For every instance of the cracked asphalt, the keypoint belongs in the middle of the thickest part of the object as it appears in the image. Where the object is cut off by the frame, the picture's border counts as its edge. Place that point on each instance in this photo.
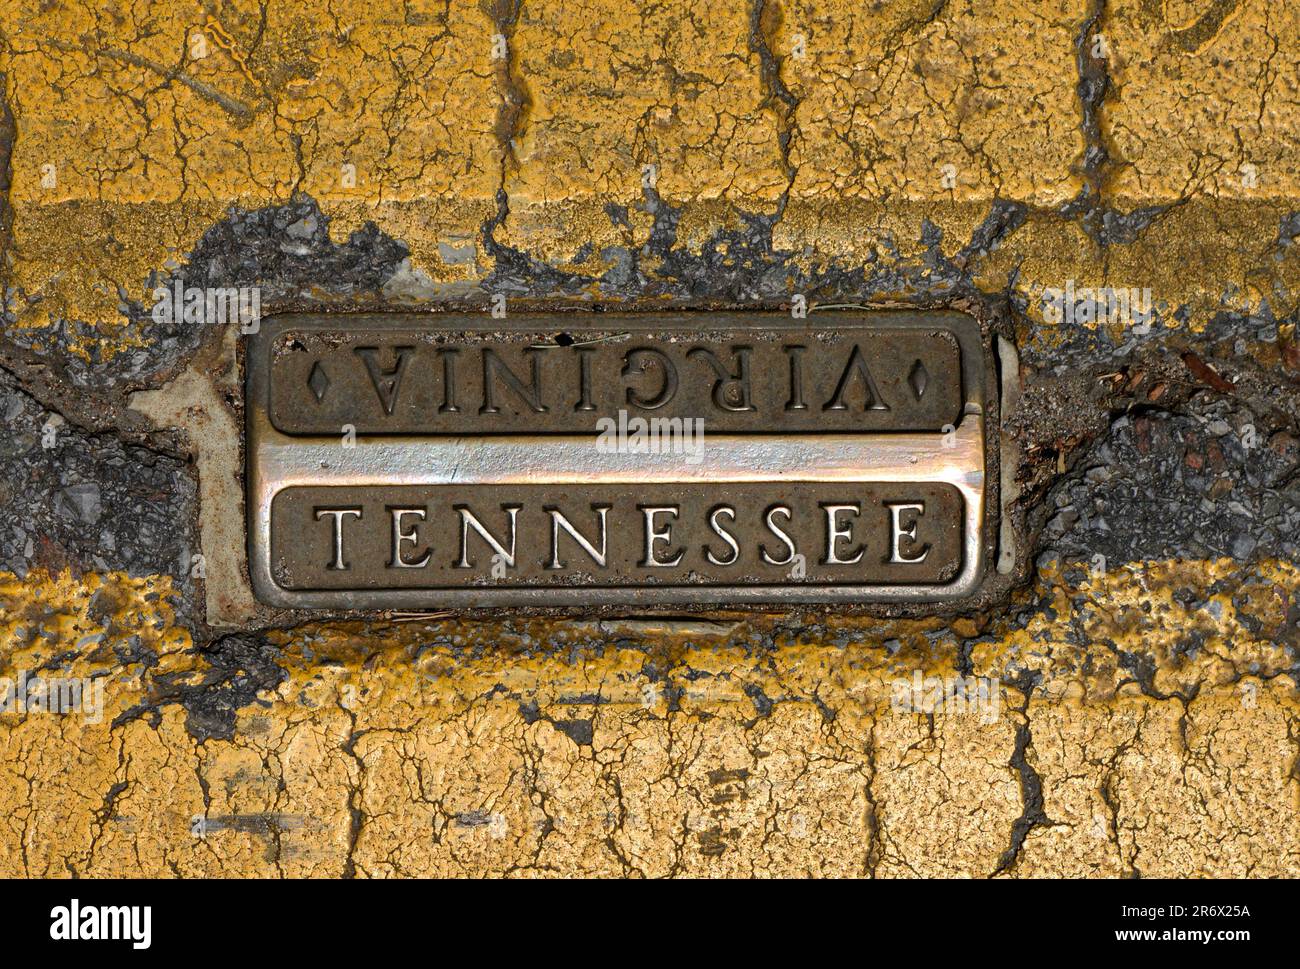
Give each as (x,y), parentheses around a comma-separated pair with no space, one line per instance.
(584,156)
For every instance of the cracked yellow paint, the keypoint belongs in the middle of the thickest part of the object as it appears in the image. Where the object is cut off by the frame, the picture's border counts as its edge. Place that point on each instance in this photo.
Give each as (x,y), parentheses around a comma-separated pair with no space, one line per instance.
(1207,101)
(449,748)
(1232,246)
(891,95)
(442,748)
(129,144)
(623,99)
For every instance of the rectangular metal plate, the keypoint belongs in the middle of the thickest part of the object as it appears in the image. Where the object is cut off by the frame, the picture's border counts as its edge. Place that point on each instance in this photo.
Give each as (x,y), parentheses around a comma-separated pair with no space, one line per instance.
(761,379)
(461,461)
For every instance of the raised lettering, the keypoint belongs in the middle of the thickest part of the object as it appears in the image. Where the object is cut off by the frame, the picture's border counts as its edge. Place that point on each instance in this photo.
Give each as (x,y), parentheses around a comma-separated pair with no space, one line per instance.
(857,366)
(558,521)
(653,536)
(835,534)
(783,510)
(386,382)
(644,357)
(730,391)
(468,520)
(898,533)
(530,393)
(722,534)
(336,563)
(400,537)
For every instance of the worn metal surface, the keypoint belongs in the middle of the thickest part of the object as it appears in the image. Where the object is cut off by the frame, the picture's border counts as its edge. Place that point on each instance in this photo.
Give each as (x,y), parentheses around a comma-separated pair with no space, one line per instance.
(967,156)
(776,539)
(328,512)
(757,373)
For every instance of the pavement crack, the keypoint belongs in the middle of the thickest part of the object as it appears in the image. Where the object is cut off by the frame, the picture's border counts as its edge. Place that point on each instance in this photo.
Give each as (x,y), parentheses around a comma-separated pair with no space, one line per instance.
(8,135)
(231,105)
(356,816)
(516,101)
(764,23)
(1033,815)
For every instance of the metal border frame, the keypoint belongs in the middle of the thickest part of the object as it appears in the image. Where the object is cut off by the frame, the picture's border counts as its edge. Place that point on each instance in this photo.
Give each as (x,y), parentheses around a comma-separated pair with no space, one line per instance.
(275,461)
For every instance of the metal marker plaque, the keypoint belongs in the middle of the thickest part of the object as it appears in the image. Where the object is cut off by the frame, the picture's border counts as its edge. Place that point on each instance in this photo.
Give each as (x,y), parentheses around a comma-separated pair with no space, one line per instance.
(421,462)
